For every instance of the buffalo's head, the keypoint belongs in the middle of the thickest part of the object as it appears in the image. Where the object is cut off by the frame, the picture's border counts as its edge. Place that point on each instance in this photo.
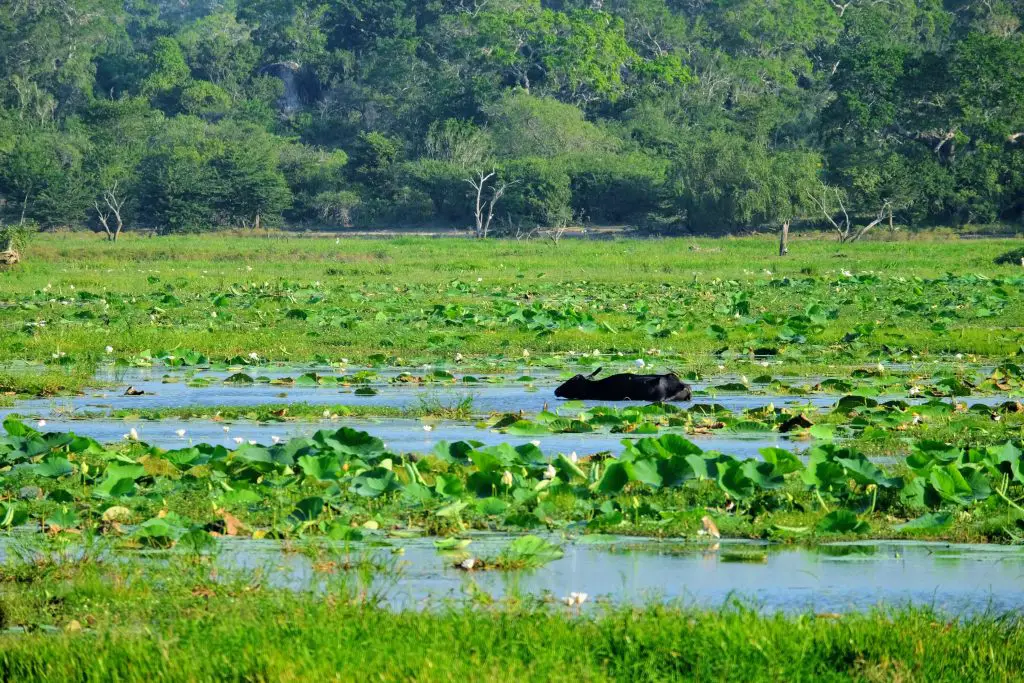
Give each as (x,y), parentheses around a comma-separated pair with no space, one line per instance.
(576,387)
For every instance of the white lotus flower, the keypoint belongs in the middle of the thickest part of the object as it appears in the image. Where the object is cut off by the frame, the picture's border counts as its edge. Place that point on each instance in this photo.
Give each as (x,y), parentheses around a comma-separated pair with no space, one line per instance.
(109,349)
(573,457)
(536,443)
(133,434)
(506,478)
(639,362)
(252,442)
(428,428)
(180,433)
(41,423)
(275,440)
(549,472)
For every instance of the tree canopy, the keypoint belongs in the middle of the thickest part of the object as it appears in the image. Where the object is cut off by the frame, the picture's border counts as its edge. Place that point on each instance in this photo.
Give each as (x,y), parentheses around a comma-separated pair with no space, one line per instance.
(682,115)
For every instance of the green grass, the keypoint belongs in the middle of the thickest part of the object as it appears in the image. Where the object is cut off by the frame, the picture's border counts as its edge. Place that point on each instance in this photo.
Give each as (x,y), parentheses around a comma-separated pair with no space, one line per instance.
(93,621)
(364,297)
(45,382)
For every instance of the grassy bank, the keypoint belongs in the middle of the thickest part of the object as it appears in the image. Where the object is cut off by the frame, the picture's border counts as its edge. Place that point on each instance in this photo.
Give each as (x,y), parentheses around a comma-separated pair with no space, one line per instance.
(89,621)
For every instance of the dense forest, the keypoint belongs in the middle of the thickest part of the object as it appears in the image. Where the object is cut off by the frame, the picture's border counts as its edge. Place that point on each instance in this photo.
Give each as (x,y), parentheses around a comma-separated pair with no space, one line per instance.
(672,115)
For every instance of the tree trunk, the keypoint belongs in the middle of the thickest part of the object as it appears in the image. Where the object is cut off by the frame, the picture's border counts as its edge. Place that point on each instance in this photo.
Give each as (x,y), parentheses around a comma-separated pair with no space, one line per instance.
(784,239)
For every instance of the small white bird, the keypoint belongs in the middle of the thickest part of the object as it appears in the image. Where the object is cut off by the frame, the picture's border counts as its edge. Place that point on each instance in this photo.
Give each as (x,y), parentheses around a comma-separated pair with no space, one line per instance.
(180,433)
(133,434)
(275,440)
(428,428)
(41,423)
(639,362)
(109,349)
(238,440)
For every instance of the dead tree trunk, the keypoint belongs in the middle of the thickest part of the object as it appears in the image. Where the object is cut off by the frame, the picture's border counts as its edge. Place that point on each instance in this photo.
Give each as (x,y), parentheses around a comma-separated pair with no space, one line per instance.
(784,239)
(844,225)
(484,211)
(114,204)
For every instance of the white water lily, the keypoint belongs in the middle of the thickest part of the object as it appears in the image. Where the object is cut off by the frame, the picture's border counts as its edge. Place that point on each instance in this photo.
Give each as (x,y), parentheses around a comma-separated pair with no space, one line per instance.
(428,428)
(109,349)
(549,472)
(574,599)
(639,362)
(180,433)
(506,478)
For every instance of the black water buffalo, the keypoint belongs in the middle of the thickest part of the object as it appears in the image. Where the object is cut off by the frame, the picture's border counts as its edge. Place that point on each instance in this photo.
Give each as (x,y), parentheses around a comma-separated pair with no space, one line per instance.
(625,387)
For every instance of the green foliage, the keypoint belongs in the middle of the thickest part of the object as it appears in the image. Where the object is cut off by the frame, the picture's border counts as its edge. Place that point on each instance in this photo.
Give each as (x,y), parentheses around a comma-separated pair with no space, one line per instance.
(699,117)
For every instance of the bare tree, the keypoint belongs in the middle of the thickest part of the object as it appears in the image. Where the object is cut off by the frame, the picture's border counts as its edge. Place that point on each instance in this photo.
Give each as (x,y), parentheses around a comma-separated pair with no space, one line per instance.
(113,203)
(484,212)
(843,224)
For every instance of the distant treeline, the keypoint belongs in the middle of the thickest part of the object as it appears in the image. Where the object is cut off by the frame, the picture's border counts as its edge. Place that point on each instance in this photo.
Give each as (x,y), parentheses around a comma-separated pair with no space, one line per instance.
(676,115)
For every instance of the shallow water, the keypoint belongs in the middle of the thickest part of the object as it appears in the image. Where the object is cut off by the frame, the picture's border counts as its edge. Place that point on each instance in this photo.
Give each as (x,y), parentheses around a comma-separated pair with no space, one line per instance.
(400,435)
(958,579)
(508,396)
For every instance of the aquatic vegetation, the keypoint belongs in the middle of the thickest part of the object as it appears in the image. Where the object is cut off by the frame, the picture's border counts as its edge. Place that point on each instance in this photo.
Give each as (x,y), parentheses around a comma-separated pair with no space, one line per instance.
(341,479)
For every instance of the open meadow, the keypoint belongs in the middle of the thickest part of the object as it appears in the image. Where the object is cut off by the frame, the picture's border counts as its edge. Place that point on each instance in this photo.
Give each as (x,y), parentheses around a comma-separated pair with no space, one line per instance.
(357,441)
